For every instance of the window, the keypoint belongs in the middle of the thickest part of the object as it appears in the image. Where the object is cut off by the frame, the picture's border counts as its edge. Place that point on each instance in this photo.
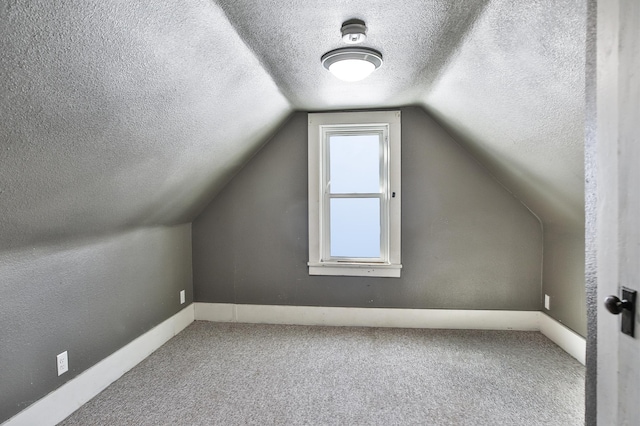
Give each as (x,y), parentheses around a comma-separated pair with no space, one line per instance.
(354,194)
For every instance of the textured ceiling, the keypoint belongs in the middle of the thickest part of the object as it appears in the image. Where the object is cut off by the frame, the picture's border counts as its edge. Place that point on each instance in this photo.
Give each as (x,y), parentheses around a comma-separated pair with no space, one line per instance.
(506,78)
(514,95)
(416,39)
(119,114)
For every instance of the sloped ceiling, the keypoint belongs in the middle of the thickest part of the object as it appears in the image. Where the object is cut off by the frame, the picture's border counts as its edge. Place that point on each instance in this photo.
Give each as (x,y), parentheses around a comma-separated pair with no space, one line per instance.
(119,114)
(514,95)
(505,78)
(416,39)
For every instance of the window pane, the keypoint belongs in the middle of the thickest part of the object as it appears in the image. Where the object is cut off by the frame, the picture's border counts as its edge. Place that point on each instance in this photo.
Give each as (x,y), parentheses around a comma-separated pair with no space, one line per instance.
(355,227)
(354,163)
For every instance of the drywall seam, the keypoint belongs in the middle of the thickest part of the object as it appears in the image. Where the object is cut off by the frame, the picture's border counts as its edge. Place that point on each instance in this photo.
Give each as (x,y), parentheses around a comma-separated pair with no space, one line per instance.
(59,404)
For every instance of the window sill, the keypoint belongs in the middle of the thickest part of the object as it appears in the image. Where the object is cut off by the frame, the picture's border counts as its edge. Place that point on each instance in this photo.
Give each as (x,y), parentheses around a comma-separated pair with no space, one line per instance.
(355,269)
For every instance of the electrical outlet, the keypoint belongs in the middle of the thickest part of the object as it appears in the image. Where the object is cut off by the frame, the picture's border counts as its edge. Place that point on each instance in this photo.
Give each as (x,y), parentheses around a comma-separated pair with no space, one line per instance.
(547,302)
(183,297)
(63,363)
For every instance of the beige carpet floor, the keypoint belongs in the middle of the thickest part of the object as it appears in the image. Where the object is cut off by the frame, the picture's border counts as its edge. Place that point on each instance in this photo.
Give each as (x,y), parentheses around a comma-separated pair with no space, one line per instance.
(246,374)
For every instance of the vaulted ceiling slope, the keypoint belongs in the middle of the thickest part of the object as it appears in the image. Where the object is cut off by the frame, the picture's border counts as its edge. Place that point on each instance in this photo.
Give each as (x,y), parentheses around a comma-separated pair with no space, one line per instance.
(119,114)
(415,37)
(506,78)
(514,95)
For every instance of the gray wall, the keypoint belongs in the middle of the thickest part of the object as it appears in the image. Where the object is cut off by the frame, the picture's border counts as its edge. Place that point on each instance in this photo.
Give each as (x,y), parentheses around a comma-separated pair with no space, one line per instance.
(467,243)
(89,298)
(564,272)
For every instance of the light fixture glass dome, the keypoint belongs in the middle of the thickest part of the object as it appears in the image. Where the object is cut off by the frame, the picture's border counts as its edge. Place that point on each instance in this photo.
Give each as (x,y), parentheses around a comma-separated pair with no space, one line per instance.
(352,69)
(352,63)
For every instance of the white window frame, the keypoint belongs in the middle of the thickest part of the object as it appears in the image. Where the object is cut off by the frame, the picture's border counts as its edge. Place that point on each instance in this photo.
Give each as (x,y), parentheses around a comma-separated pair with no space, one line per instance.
(321,126)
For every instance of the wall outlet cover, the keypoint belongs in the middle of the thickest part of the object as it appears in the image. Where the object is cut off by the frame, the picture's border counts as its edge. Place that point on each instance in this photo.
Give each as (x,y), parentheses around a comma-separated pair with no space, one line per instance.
(183,297)
(547,302)
(62,362)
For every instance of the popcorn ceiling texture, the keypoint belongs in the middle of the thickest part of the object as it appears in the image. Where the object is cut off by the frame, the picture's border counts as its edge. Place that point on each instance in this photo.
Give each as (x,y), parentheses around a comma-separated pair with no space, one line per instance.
(122,114)
(506,78)
(514,95)
(416,39)
(118,114)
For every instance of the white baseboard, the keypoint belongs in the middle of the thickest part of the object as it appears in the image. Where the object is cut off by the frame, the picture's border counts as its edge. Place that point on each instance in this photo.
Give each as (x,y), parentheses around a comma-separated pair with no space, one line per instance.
(60,403)
(216,312)
(568,340)
(368,317)
(574,344)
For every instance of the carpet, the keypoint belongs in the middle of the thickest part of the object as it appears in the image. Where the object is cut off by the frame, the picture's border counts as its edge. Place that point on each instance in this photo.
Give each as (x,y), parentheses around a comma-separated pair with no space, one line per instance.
(249,374)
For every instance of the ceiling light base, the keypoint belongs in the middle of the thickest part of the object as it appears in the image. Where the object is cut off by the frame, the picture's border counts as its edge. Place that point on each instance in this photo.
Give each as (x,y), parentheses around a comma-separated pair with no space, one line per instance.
(354,31)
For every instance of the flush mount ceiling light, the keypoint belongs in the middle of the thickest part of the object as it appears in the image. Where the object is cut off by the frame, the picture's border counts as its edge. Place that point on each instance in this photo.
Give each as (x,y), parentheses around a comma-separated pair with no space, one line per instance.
(352,63)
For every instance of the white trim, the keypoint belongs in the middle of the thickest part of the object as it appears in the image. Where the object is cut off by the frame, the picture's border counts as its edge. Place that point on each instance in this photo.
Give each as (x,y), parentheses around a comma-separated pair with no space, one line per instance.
(571,342)
(368,317)
(383,195)
(217,312)
(355,270)
(391,201)
(62,402)
(574,344)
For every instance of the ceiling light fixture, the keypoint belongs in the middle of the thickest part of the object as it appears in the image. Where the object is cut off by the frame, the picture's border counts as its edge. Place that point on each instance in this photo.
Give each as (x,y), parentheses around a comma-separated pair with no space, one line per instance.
(352,63)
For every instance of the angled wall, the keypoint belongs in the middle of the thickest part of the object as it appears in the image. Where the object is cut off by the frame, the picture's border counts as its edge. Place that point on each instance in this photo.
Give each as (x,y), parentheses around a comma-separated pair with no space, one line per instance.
(89,298)
(564,276)
(467,243)
(513,95)
(118,115)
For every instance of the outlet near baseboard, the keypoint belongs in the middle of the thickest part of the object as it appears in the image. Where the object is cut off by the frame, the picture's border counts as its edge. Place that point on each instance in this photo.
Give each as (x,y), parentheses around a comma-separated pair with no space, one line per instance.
(183,297)
(547,302)
(62,360)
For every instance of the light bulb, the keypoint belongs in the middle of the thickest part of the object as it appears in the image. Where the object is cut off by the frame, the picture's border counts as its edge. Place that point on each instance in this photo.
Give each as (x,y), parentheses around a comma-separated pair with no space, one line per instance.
(352,69)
